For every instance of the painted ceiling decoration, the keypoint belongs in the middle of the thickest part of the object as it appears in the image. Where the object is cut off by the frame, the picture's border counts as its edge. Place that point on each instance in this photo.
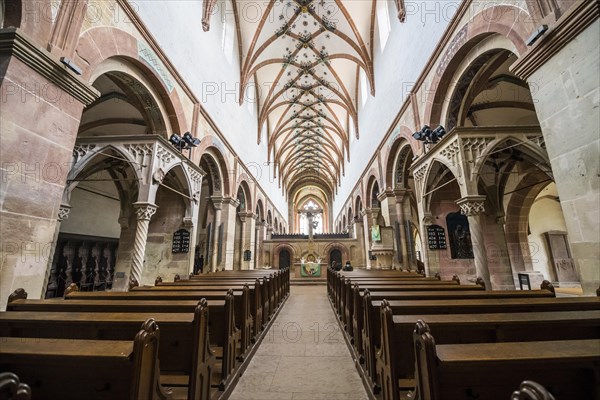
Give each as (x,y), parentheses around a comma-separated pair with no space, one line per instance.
(304,60)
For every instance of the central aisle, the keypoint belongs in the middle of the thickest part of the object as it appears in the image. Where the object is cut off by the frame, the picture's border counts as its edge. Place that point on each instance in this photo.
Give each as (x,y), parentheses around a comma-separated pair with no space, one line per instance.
(303,356)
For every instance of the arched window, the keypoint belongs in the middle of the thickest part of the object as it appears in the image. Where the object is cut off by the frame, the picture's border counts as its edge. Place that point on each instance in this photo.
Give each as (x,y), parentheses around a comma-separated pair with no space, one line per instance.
(383,21)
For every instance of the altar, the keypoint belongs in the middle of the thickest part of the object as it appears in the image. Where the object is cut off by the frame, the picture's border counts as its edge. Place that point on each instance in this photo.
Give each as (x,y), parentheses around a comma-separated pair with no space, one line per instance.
(310,269)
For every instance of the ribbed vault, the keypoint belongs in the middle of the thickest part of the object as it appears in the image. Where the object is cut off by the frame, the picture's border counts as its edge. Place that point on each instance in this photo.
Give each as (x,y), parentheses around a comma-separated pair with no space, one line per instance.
(303,59)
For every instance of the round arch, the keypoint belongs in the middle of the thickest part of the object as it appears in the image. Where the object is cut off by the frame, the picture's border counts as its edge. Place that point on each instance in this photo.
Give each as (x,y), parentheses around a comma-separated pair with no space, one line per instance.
(91,56)
(497,20)
(402,146)
(213,161)
(279,249)
(373,190)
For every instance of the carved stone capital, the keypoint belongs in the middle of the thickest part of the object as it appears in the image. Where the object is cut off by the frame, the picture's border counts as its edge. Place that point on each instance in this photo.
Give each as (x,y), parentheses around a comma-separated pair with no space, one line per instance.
(63,212)
(124,222)
(471,205)
(188,222)
(427,219)
(386,194)
(231,201)
(245,215)
(401,193)
(217,202)
(145,211)
(158,176)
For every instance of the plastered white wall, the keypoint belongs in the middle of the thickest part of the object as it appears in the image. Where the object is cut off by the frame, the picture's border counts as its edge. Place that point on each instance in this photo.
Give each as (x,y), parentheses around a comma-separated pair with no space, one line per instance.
(408,48)
(200,59)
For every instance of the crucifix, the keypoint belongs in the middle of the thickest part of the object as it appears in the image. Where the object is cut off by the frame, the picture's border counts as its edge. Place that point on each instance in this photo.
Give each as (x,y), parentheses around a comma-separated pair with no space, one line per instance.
(310,214)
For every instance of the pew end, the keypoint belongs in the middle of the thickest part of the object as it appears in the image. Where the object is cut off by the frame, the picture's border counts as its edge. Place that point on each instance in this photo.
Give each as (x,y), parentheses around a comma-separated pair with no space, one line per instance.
(20,293)
(547,285)
(11,387)
(72,288)
(132,283)
(529,390)
(479,281)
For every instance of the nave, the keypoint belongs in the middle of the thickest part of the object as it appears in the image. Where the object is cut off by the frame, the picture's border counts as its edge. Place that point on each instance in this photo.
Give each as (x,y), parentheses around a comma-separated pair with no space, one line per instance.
(385,335)
(303,356)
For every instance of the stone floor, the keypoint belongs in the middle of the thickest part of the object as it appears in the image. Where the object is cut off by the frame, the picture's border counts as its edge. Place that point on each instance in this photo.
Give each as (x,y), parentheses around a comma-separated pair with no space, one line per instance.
(303,356)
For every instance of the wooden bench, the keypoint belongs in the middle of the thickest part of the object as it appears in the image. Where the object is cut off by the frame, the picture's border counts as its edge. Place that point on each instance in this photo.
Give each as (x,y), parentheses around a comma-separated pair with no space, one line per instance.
(271,293)
(94,369)
(569,369)
(184,352)
(248,309)
(242,315)
(279,281)
(344,294)
(347,306)
(395,359)
(11,387)
(358,310)
(224,336)
(370,340)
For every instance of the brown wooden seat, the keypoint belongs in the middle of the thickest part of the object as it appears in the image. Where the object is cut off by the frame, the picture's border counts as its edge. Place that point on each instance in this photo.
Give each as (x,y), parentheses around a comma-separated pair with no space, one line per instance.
(95,369)
(569,369)
(184,347)
(370,340)
(395,359)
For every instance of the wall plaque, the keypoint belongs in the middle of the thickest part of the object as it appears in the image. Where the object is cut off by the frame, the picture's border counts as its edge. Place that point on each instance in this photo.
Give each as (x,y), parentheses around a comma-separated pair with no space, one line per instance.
(181,241)
(436,237)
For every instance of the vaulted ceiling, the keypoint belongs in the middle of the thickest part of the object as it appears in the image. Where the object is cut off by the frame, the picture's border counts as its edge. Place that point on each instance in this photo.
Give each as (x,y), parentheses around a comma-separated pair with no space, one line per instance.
(303,57)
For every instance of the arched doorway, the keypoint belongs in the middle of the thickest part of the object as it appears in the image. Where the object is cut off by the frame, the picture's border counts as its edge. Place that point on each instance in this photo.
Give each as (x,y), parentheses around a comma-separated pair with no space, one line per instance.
(284,259)
(335,255)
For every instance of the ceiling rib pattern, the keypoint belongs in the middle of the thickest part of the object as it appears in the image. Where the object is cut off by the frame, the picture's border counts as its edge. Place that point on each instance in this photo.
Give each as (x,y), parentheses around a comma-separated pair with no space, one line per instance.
(303,57)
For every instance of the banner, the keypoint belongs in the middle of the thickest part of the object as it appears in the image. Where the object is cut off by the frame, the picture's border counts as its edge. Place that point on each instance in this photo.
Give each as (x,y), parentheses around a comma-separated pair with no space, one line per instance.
(375,233)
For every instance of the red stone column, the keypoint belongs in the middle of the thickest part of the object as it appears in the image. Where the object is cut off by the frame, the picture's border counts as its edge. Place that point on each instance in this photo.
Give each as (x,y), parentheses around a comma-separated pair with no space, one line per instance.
(41,103)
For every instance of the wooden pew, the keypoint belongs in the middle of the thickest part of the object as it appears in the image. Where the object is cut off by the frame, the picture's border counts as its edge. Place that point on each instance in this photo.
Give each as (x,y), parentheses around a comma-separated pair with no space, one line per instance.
(370,340)
(353,308)
(344,295)
(248,309)
(395,359)
(570,369)
(272,294)
(11,387)
(184,352)
(229,338)
(94,369)
(348,303)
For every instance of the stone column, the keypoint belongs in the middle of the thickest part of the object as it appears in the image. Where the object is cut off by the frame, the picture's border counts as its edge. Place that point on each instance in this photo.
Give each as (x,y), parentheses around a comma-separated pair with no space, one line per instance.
(425,222)
(144,212)
(564,72)
(218,205)
(251,232)
(260,235)
(473,207)
(228,216)
(366,215)
(52,273)
(243,215)
(400,195)
(42,103)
